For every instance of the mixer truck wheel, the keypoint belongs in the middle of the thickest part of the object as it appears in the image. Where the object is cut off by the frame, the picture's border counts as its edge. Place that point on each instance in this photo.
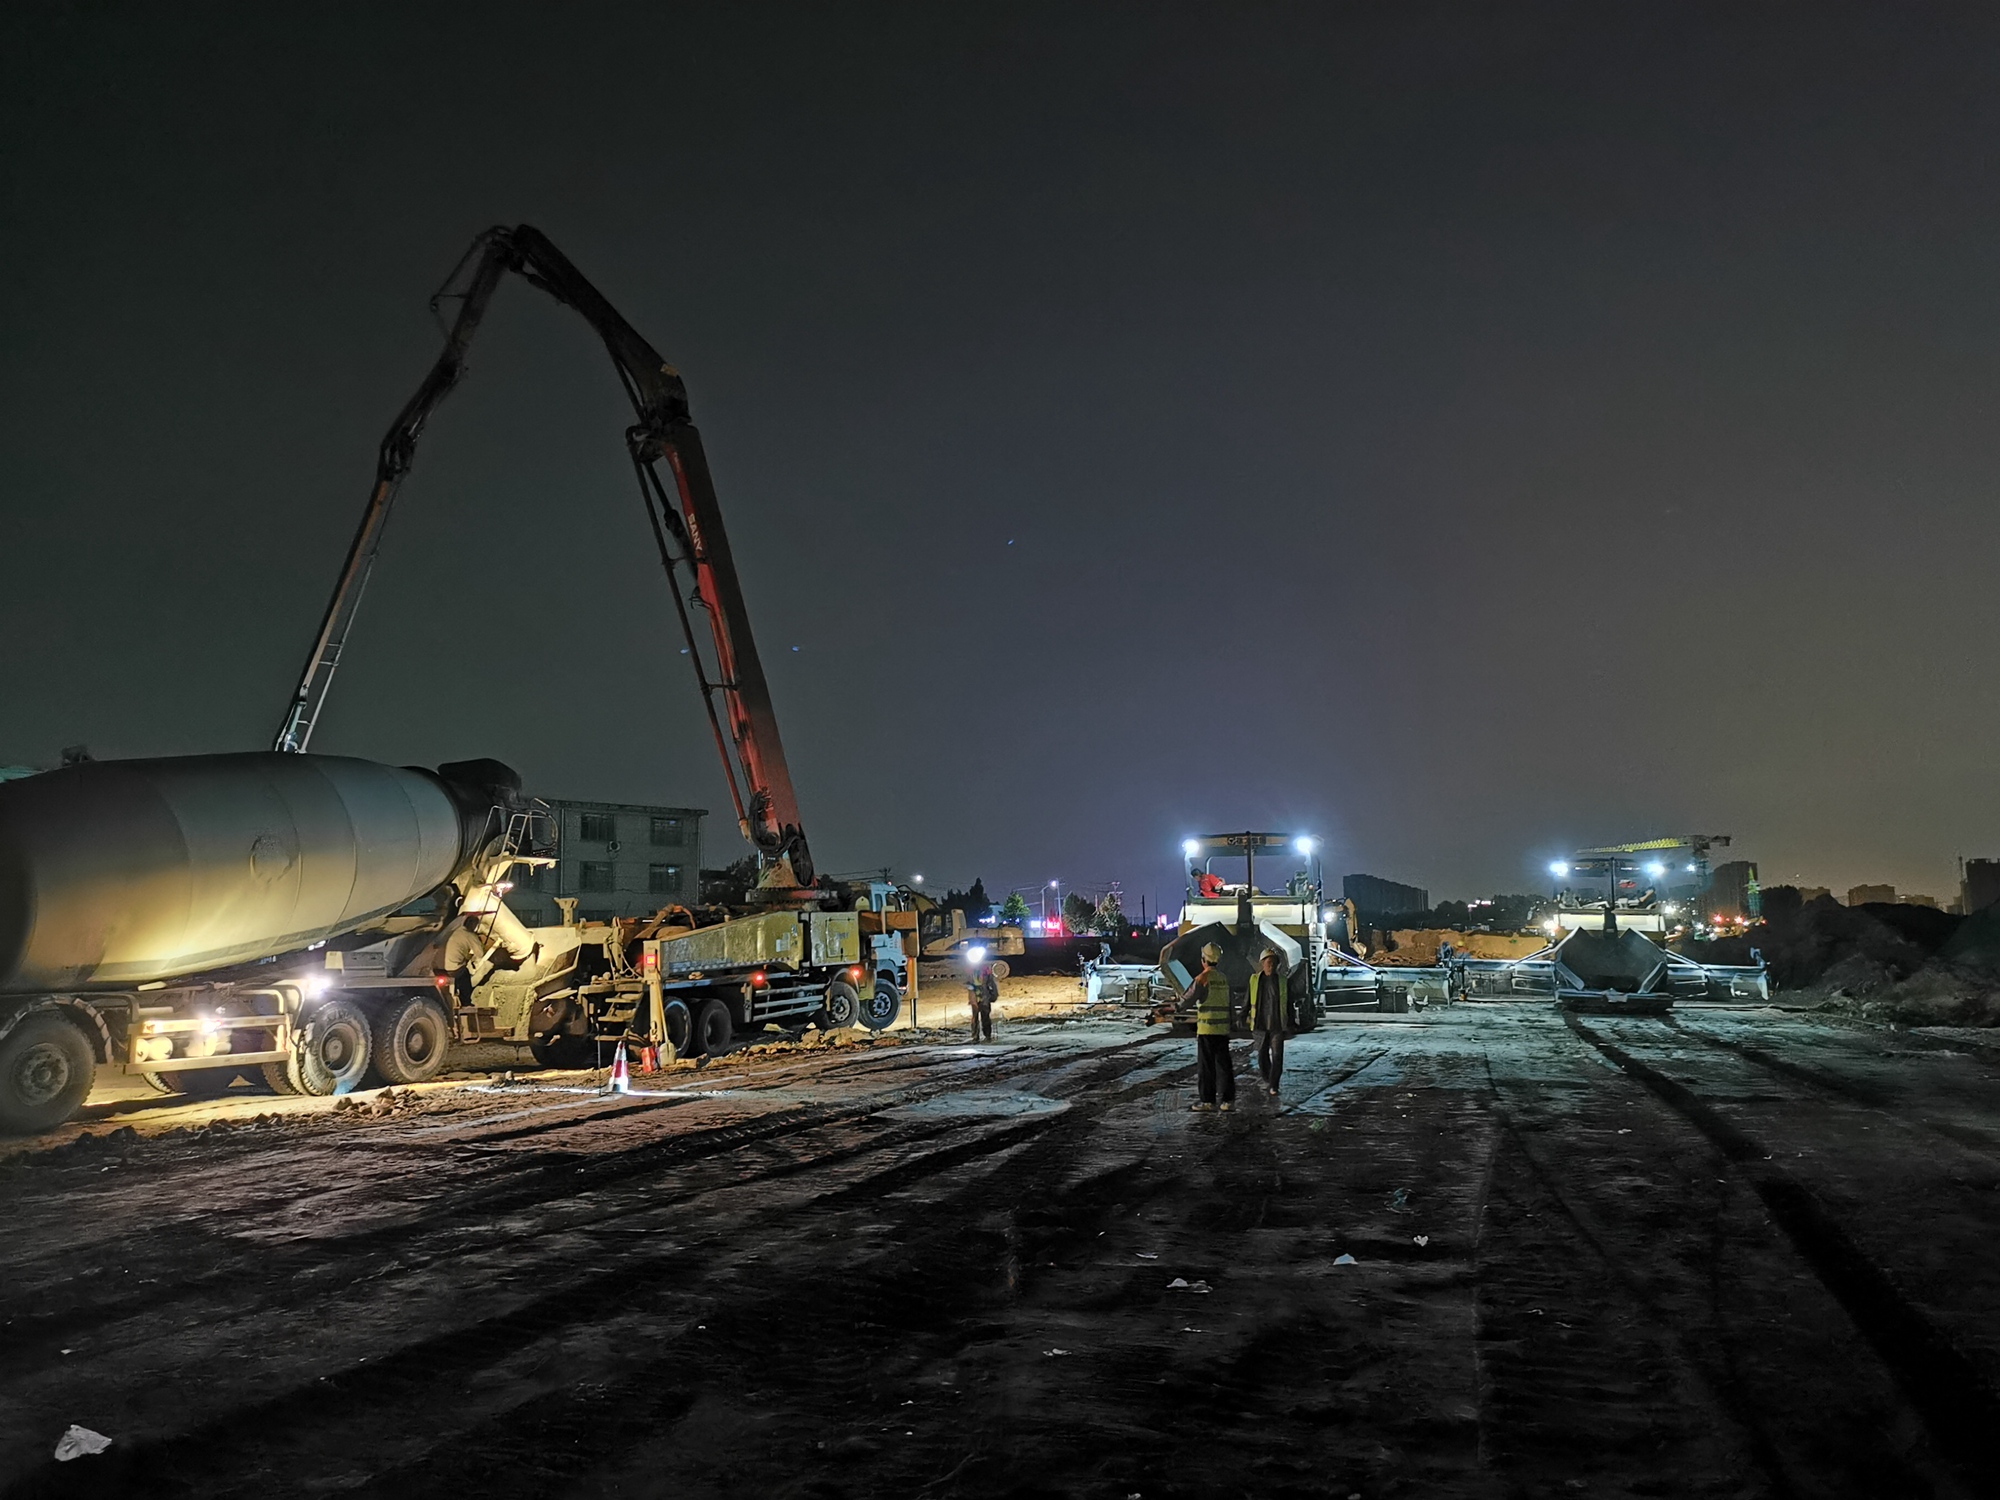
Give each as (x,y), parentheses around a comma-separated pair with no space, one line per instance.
(335,1058)
(885,1002)
(713,1029)
(680,1026)
(411,1038)
(46,1067)
(843,1005)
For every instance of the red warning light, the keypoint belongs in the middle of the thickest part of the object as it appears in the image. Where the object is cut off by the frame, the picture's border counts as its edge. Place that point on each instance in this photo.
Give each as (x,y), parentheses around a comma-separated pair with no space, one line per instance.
(854,973)
(758,977)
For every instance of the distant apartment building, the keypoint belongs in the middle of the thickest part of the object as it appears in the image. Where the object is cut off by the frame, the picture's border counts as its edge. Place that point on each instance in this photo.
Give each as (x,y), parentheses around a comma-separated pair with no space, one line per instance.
(1978,884)
(618,859)
(1371,893)
(1733,892)
(1861,895)
(1911,898)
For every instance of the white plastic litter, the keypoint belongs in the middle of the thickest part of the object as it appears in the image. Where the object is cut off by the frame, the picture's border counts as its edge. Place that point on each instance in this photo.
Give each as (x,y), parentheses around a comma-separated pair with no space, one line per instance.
(1181,1284)
(1421,1239)
(1147,1255)
(1052,1353)
(1345,1260)
(78,1442)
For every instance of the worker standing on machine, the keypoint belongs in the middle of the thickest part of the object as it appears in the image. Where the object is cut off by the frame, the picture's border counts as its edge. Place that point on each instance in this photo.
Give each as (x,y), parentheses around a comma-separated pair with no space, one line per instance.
(981,989)
(1268,1018)
(462,949)
(1214,1072)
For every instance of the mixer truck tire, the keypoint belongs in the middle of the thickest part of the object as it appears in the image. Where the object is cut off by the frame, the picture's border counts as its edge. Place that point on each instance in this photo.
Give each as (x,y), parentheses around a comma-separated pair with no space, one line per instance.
(680,1026)
(885,1003)
(843,1005)
(46,1068)
(713,1029)
(411,1037)
(334,1054)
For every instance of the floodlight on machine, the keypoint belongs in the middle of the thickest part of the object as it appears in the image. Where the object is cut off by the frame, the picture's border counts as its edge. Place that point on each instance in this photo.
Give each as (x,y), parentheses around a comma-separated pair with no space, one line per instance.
(1558,869)
(1656,869)
(1305,847)
(1190,848)
(976,953)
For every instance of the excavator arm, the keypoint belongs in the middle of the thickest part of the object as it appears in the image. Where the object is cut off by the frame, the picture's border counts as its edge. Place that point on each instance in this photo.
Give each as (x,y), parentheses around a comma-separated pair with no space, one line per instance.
(686,522)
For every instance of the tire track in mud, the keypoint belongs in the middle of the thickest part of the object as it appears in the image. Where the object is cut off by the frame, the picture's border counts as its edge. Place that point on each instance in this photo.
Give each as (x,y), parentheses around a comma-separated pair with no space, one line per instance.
(527,1183)
(200,1459)
(1949,1393)
(1555,1387)
(1854,1091)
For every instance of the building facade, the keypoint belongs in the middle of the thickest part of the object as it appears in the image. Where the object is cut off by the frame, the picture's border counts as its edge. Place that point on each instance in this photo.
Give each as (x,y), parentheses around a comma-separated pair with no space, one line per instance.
(1978,884)
(618,859)
(1379,897)
(1862,895)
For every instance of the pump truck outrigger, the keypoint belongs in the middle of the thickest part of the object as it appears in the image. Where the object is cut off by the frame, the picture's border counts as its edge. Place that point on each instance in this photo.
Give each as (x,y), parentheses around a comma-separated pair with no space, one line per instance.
(159,917)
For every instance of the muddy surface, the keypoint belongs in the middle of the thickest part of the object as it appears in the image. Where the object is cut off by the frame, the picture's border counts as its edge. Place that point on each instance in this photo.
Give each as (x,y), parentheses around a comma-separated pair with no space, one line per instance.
(1488,1252)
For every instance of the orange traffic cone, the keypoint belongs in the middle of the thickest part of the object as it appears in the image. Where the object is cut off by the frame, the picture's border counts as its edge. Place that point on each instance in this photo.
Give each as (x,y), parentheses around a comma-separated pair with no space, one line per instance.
(651,1055)
(621,1076)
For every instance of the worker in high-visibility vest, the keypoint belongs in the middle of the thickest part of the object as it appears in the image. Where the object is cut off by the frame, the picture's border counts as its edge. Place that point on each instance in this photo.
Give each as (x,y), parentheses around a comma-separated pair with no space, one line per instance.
(1214,1072)
(1269,1018)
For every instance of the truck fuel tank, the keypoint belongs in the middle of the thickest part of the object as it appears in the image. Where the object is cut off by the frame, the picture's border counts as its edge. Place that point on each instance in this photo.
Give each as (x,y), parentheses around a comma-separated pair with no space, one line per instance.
(118,873)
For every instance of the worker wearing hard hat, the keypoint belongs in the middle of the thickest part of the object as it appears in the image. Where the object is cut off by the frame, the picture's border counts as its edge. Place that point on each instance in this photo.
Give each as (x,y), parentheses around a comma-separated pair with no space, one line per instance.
(1214,1072)
(982,989)
(1268,1017)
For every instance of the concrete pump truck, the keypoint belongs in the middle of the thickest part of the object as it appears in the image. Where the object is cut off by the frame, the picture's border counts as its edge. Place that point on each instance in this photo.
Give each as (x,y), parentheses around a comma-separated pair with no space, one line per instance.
(287,917)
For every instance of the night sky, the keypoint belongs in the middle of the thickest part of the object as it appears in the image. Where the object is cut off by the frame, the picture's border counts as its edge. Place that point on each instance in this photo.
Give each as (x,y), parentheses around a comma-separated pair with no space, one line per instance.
(1459,434)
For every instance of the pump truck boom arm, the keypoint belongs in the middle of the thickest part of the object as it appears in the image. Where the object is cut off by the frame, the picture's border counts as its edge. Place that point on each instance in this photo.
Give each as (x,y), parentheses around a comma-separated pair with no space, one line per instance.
(685,519)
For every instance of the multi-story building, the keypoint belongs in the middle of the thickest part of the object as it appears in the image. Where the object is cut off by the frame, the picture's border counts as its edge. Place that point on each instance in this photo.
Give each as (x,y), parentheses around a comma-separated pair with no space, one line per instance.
(618,859)
(1978,884)
(1379,897)
(1861,895)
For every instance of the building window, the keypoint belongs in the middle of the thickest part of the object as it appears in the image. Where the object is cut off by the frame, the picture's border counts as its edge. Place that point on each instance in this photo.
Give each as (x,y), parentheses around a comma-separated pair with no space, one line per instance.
(668,833)
(597,828)
(526,877)
(593,875)
(663,880)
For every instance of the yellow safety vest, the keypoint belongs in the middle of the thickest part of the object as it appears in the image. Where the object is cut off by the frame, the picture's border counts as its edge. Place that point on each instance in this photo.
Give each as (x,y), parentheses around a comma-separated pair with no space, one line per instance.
(1211,1011)
(1274,1002)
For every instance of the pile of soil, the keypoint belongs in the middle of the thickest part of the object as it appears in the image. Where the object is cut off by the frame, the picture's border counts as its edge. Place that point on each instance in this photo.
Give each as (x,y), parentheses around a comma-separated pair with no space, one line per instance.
(1910,964)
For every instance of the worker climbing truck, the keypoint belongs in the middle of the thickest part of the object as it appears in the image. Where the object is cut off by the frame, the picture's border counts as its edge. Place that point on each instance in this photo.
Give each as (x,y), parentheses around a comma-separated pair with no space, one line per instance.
(282,915)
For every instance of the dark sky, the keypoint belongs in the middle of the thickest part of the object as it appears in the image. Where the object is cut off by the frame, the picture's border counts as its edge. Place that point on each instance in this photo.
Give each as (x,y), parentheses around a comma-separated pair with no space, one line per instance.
(1458,433)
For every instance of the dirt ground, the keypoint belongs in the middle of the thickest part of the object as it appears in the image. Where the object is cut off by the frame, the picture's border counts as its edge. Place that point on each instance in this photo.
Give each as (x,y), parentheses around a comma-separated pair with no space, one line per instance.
(1488,1251)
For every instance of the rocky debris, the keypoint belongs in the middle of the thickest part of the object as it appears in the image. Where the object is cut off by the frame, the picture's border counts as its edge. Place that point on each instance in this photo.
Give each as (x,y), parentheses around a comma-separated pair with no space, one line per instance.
(385,1103)
(1913,965)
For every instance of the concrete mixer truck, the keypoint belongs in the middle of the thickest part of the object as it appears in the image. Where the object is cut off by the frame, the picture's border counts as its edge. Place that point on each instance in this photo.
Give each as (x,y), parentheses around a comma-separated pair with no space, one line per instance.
(280,915)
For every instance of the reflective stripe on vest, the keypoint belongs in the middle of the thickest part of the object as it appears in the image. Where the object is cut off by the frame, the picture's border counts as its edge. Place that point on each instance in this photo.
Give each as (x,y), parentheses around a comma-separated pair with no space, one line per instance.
(1211,1015)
